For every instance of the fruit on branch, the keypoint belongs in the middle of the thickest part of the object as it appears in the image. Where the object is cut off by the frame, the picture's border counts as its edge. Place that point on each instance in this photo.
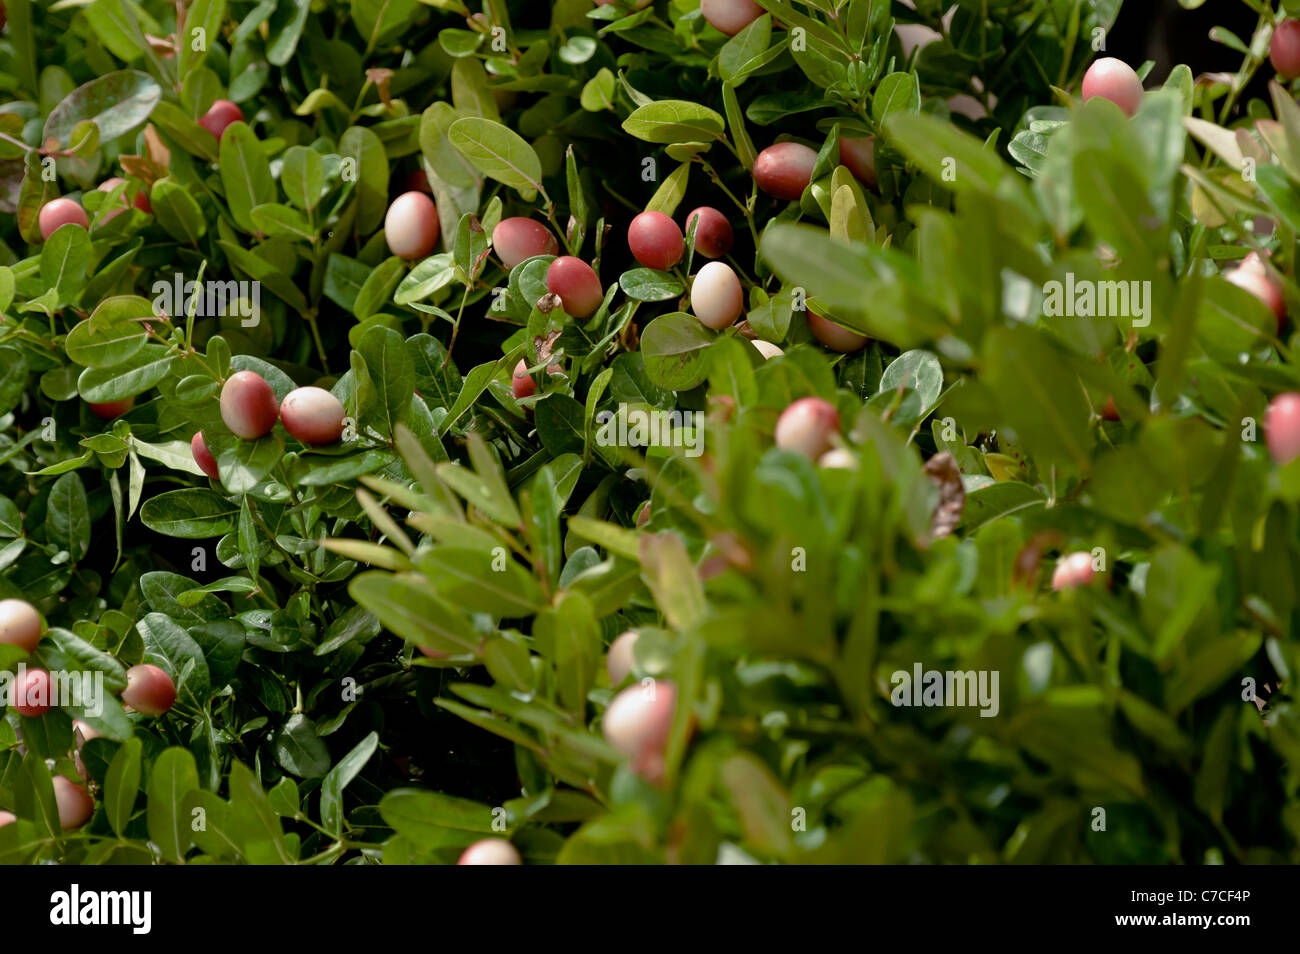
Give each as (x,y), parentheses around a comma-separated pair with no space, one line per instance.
(1284,49)
(1116,81)
(716,296)
(109,410)
(411,226)
(807,426)
(490,851)
(32,693)
(859,157)
(655,241)
(834,336)
(59,212)
(75,806)
(219,117)
(713,235)
(1252,276)
(785,169)
(619,661)
(203,457)
(766,348)
(1282,427)
(20,624)
(141,200)
(149,690)
(521,382)
(83,732)
(1073,570)
(312,415)
(638,723)
(518,239)
(730,16)
(576,284)
(248,405)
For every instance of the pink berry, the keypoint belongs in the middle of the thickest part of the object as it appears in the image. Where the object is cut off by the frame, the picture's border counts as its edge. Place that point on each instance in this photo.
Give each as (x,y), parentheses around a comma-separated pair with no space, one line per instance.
(519,239)
(313,415)
(32,693)
(1074,570)
(1116,81)
(75,806)
(411,226)
(490,851)
(20,624)
(203,457)
(248,405)
(7,818)
(219,117)
(619,661)
(807,426)
(521,382)
(713,235)
(149,690)
(59,212)
(638,723)
(1282,427)
(784,170)
(834,336)
(141,200)
(109,410)
(859,157)
(1252,276)
(576,284)
(730,16)
(716,296)
(1284,49)
(655,240)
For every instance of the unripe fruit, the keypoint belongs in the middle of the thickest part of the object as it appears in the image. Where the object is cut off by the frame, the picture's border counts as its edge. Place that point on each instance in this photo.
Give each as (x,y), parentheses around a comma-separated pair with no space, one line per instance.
(576,284)
(519,239)
(638,722)
(1073,570)
(75,806)
(620,659)
(58,212)
(1282,427)
(1116,81)
(713,236)
(766,348)
(521,382)
(655,240)
(411,226)
(859,157)
(111,409)
(834,336)
(219,116)
(730,16)
(784,170)
(716,296)
(807,426)
(203,457)
(1252,276)
(20,624)
(312,415)
(248,405)
(7,818)
(490,851)
(141,200)
(838,458)
(149,690)
(1284,49)
(32,693)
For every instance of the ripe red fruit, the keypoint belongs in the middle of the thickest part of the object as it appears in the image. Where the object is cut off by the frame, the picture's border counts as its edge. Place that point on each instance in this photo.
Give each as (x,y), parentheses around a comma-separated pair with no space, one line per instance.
(519,239)
(1252,276)
(655,240)
(248,405)
(1284,49)
(521,382)
(784,170)
(111,409)
(859,157)
(807,426)
(834,336)
(1282,427)
(59,212)
(149,690)
(1116,81)
(32,692)
(203,457)
(219,116)
(716,296)
(490,851)
(141,200)
(576,284)
(620,659)
(713,236)
(20,624)
(312,415)
(638,722)
(1074,570)
(411,226)
(730,16)
(75,806)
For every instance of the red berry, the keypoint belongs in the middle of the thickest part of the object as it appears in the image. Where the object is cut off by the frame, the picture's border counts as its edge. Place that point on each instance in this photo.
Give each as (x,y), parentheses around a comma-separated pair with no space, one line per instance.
(716,296)
(859,157)
(619,661)
(834,336)
(33,693)
(20,624)
(576,284)
(490,851)
(248,405)
(1282,427)
(411,226)
(313,415)
(784,170)
(149,690)
(713,235)
(58,212)
(1073,570)
(75,806)
(203,457)
(141,201)
(111,409)
(730,16)
(1284,49)
(655,240)
(518,239)
(806,426)
(1116,81)
(219,117)
(638,723)
(521,382)
(1110,412)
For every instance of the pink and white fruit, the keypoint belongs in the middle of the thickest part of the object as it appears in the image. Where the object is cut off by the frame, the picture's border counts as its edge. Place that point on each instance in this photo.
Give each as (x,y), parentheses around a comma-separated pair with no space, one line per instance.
(1252,276)
(75,806)
(766,348)
(655,240)
(638,723)
(716,296)
(83,732)
(411,226)
(312,415)
(730,16)
(7,818)
(149,690)
(1116,81)
(109,410)
(141,200)
(1073,570)
(490,851)
(20,624)
(807,427)
(835,337)
(1282,427)
(713,235)
(60,212)
(838,458)
(619,661)
(1284,49)
(203,457)
(859,157)
(785,169)
(32,693)
(576,284)
(519,239)
(248,405)
(220,115)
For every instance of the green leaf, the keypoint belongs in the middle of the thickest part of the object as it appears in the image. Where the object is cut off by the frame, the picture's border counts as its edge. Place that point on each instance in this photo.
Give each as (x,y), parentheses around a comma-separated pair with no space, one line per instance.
(173,776)
(116,103)
(499,153)
(245,174)
(674,346)
(674,121)
(340,776)
(123,784)
(421,815)
(67,517)
(482,581)
(299,749)
(366,151)
(407,605)
(192,513)
(648,284)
